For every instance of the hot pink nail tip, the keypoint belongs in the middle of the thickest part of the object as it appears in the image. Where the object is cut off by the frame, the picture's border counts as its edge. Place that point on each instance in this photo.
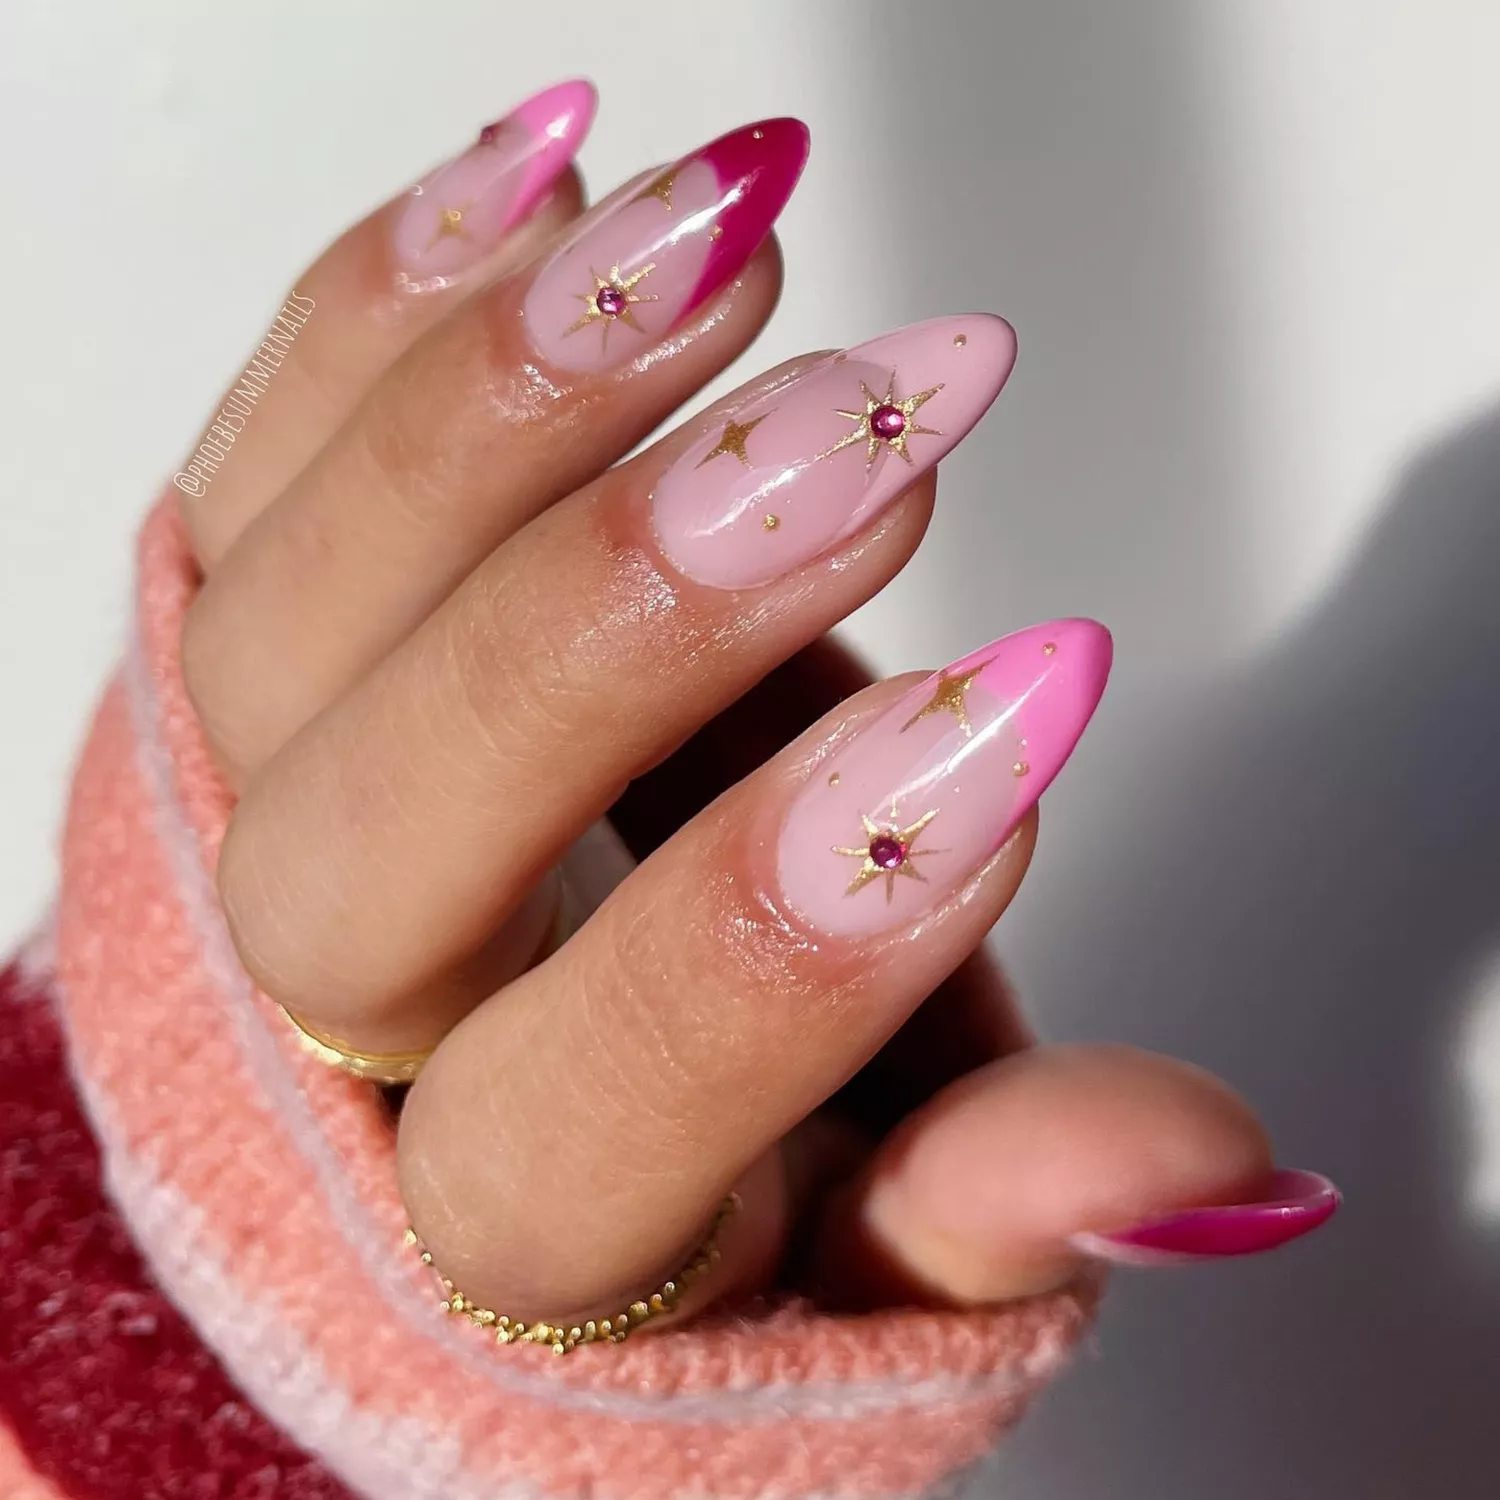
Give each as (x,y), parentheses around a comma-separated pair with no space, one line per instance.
(562,113)
(458,213)
(900,817)
(627,278)
(1294,1203)
(781,480)
(558,120)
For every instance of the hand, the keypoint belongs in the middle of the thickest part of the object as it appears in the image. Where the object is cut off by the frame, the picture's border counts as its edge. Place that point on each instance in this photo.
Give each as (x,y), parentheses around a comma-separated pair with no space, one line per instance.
(440,636)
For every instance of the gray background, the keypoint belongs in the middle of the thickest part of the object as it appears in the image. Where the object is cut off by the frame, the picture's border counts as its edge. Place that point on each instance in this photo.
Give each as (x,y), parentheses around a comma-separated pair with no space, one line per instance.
(1251,253)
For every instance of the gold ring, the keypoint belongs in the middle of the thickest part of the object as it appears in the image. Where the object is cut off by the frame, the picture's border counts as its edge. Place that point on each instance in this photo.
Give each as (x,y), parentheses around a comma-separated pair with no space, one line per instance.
(373,1067)
(564,1338)
(403,1067)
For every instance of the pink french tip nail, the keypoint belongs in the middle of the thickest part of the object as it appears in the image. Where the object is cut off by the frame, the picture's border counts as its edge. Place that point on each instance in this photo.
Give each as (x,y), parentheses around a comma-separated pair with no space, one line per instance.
(792,474)
(1294,1203)
(459,213)
(626,279)
(899,818)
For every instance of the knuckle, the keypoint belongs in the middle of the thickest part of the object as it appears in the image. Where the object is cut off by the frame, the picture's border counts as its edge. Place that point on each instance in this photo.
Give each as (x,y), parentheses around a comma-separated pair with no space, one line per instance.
(411,449)
(525,683)
(676,1033)
(267,913)
(251,908)
(207,685)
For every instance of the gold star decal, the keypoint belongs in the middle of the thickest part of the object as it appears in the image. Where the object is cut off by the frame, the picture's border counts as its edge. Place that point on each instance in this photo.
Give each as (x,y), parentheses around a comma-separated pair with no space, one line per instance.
(732,440)
(948,698)
(662,189)
(888,851)
(865,432)
(624,288)
(450,224)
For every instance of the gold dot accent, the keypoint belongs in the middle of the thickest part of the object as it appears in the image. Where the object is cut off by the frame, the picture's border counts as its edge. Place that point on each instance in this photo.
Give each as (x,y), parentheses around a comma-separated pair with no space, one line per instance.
(834,779)
(717,232)
(771,522)
(1050,649)
(959,340)
(1020,768)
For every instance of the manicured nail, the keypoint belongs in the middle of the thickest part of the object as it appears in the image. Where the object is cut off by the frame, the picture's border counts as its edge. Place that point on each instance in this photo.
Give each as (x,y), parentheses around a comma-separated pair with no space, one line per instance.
(459,213)
(628,278)
(770,487)
(917,801)
(1295,1203)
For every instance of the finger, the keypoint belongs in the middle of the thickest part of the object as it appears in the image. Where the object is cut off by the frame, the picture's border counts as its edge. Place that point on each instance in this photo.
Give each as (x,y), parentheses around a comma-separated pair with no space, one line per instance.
(370,294)
(527,392)
(385,843)
(739,977)
(1010,1179)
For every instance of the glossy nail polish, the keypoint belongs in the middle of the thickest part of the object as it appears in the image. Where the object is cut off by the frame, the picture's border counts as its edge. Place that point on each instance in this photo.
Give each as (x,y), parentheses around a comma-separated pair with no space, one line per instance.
(627,279)
(793,473)
(1294,1203)
(459,213)
(918,800)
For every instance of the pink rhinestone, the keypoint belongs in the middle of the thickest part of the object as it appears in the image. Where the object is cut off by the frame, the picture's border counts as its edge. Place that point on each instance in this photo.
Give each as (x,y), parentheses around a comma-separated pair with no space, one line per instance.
(488,134)
(611,301)
(888,423)
(887,851)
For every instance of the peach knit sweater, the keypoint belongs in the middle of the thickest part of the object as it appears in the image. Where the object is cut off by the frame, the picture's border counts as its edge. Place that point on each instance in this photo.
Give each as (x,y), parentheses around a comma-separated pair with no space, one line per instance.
(259,1191)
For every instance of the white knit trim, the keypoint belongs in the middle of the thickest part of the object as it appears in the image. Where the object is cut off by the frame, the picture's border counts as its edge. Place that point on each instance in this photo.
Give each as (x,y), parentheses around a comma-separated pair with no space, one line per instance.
(383,1457)
(268,1072)
(36,960)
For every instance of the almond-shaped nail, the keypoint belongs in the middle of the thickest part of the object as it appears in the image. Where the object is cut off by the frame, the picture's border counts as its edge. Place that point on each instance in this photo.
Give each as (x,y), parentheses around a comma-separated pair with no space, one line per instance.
(783,479)
(1294,1203)
(459,213)
(900,817)
(627,279)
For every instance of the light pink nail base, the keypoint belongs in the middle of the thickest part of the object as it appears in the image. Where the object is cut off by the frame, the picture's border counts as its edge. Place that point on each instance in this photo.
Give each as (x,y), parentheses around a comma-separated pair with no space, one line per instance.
(775,484)
(919,800)
(1295,1203)
(628,277)
(459,213)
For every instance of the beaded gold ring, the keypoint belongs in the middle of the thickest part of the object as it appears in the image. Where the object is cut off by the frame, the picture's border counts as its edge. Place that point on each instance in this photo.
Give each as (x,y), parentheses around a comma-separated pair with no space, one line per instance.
(564,1338)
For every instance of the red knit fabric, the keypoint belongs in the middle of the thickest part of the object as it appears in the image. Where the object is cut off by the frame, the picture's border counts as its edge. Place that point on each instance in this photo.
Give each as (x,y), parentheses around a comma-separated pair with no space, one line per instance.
(108,1390)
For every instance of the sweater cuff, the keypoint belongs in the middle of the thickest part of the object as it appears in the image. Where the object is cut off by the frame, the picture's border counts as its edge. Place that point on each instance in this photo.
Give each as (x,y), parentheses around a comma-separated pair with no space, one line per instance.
(260,1186)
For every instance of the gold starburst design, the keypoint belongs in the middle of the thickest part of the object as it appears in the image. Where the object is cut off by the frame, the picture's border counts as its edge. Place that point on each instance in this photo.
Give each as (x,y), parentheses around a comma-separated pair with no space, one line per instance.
(865,432)
(450,224)
(732,440)
(622,286)
(888,851)
(662,189)
(948,697)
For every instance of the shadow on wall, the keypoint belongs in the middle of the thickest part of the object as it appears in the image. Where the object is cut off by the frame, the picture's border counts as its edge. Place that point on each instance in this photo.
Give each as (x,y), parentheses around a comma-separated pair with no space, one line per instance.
(1050,177)
(1308,884)
(1290,874)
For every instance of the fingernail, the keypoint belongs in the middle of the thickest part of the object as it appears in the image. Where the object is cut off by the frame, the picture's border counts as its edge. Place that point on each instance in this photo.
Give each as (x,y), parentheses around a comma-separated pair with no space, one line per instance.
(900,817)
(1295,1203)
(459,213)
(628,278)
(772,486)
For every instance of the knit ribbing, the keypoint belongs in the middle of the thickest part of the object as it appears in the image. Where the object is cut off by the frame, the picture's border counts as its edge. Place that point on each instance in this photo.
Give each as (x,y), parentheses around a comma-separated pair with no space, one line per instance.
(262,1190)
